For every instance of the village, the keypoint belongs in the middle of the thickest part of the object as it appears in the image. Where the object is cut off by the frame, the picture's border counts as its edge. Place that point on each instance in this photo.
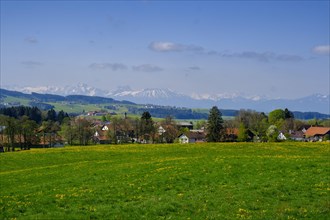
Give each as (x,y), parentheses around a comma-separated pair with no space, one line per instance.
(57,129)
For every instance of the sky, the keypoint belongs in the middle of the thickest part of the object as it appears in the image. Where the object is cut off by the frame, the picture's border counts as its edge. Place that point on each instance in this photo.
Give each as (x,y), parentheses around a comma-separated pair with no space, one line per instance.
(276,49)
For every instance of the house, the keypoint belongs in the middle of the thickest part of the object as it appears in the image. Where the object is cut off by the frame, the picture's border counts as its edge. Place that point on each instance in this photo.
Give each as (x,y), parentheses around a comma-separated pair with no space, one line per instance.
(96,113)
(297,135)
(317,133)
(281,136)
(161,130)
(105,128)
(194,136)
(188,125)
(183,139)
(304,128)
(101,137)
(231,134)
(51,140)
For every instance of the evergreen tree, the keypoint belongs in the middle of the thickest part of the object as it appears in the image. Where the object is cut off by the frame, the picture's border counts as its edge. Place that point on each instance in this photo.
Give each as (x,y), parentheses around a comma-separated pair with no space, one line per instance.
(214,125)
(288,114)
(146,126)
(51,115)
(61,115)
(35,115)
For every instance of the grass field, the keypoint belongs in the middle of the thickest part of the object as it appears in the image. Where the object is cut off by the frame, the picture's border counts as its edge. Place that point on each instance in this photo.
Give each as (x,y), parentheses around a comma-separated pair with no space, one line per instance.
(200,181)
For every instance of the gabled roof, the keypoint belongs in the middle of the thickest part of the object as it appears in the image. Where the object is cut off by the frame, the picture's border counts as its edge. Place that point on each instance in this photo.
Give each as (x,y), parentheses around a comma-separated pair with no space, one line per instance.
(196,135)
(297,134)
(182,136)
(101,135)
(312,131)
(232,131)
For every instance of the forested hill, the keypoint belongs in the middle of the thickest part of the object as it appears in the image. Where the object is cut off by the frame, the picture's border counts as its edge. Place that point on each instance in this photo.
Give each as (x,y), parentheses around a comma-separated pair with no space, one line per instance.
(57,98)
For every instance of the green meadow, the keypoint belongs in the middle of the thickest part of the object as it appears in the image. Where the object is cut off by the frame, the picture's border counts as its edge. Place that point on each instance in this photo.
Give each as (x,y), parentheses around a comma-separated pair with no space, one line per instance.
(195,181)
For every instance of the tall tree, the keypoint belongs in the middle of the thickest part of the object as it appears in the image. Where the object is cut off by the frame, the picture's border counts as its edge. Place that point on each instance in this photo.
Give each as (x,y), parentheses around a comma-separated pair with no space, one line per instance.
(45,130)
(254,121)
(29,128)
(276,116)
(171,131)
(61,116)
(51,115)
(288,114)
(10,131)
(272,133)
(114,129)
(214,125)
(147,126)
(67,130)
(83,130)
(35,115)
(242,133)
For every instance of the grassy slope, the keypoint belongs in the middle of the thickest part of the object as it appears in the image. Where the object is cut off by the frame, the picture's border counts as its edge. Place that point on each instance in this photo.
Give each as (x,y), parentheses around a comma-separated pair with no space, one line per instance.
(201,181)
(14,99)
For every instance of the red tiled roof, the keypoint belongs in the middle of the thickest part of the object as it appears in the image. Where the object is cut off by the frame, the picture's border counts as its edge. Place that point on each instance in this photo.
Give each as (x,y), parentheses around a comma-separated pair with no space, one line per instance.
(232,131)
(312,131)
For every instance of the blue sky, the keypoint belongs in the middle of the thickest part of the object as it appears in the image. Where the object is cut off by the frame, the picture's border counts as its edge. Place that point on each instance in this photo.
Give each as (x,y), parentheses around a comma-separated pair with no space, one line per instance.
(274,48)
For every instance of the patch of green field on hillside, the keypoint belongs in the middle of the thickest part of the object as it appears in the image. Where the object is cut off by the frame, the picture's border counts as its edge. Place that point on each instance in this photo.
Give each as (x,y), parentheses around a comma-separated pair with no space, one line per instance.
(14,99)
(197,181)
(75,108)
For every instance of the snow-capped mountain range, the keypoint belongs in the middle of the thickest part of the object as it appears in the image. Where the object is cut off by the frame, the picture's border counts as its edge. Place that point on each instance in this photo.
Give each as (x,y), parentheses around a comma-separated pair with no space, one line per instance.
(314,103)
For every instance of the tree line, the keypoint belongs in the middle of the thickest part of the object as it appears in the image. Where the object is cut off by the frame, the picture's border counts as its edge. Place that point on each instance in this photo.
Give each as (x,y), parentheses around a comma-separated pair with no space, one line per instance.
(29,126)
(25,126)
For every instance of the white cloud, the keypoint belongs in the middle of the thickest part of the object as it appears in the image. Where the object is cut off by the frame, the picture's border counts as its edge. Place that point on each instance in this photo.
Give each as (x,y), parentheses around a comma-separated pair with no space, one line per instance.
(31,40)
(112,66)
(174,47)
(260,56)
(147,68)
(31,64)
(264,56)
(194,68)
(322,49)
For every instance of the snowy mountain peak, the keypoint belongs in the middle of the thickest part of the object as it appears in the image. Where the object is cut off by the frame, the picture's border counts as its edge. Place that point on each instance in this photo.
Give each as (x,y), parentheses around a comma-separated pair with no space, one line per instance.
(79,89)
(316,102)
(153,93)
(159,93)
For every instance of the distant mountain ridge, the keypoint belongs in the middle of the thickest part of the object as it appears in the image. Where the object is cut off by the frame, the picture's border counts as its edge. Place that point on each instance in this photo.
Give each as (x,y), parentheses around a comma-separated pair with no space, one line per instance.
(84,99)
(157,96)
(43,100)
(79,89)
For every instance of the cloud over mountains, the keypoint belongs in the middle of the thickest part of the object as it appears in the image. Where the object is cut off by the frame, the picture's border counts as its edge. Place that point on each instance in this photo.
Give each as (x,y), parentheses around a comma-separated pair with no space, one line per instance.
(174,47)
(112,66)
(147,68)
(167,46)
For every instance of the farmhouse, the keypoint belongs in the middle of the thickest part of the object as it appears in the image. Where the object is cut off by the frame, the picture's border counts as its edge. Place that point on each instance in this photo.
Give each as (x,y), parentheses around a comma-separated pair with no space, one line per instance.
(194,136)
(101,137)
(231,134)
(317,133)
(297,135)
(161,130)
